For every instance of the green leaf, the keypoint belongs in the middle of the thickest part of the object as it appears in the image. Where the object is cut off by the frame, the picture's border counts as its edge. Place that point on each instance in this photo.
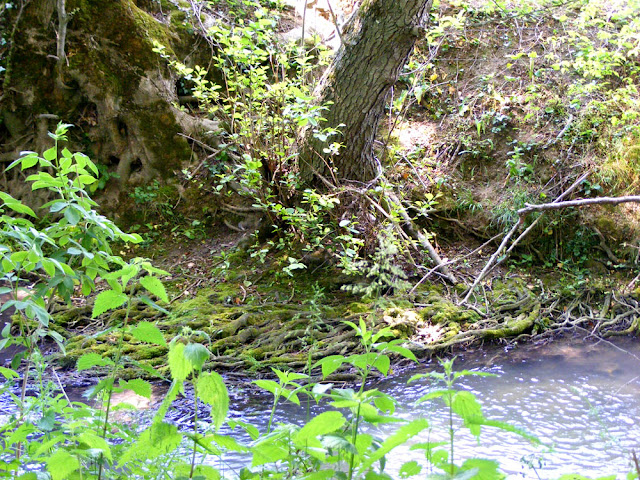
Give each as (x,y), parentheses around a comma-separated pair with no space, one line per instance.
(382,363)
(155,287)
(399,437)
(327,422)
(269,386)
(93,441)
(29,161)
(410,469)
(179,366)
(62,464)
(149,333)
(138,386)
(89,360)
(108,300)
(268,452)
(72,215)
(157,440)
(213,391)
(330,364)
(8,373)
(405,352)
(466,406)
(86,179)
(197,354)
(485,469)
(50,154)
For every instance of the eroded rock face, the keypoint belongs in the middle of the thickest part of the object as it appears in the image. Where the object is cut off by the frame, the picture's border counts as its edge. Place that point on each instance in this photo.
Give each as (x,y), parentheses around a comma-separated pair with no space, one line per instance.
(112,86)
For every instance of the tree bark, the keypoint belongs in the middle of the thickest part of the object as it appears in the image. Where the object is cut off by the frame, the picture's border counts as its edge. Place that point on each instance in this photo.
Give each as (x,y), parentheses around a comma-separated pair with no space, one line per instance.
(378,41)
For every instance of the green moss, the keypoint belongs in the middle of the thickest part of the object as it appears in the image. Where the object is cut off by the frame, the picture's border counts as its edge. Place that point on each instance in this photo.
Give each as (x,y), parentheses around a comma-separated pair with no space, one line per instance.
(441,310)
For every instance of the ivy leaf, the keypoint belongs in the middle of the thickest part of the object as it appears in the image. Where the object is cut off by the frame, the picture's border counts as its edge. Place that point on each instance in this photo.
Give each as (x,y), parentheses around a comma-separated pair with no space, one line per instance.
(61,464)
(155,287)
(89,360)
(213,391)
(108,300)
(149,333)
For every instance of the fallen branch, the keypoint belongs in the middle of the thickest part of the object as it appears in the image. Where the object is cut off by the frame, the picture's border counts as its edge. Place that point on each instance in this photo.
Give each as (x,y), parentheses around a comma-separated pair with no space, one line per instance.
(422,239)
(490,264)
(578,203)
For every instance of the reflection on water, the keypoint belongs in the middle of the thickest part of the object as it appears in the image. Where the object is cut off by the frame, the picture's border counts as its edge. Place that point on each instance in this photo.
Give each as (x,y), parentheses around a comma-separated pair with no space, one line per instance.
(581,399)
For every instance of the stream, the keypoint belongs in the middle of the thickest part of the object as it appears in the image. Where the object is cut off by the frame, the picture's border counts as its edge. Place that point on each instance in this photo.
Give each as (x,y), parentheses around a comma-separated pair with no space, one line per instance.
(580,397)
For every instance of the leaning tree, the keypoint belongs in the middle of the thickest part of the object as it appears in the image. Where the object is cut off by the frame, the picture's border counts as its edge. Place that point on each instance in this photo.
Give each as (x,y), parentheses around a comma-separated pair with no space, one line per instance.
(376,44)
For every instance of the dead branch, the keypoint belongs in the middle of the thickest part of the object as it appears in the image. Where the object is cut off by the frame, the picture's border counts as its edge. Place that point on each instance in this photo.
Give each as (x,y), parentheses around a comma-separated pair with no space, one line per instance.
(578,203)
(490,264)
(424,241)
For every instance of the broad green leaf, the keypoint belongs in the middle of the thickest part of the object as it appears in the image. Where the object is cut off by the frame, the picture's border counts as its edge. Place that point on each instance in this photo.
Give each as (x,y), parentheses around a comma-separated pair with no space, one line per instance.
(410,469)
(108,300)
(159,439)
(466,406)
(382,363)
(21,208)
(268,452)
(86,179)
(268,385)
(138,386)
(149,333)
(50,154)
(95,442)
(8,373)
(228,443)
(72,215)
(29,161)
(405,352)
(385,404)
(435,394)
(399,437)
(485,469)
(89,360)
(179,366)
(62,464)
(330,364)
(337,442)
(213,391)
(327,422)
(197,354)
(155,287)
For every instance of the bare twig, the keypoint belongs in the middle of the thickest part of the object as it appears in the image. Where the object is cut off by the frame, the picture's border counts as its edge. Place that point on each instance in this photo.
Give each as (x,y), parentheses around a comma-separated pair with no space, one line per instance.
(424,241)
(578,203)
(490,264)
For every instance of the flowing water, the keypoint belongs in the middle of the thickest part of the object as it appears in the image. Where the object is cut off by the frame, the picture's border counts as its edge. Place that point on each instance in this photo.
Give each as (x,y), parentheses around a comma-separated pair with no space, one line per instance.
(581,398)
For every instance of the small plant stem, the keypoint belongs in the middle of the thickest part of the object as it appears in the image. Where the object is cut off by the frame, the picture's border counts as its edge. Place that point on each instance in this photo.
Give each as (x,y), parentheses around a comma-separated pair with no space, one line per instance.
(451,464)
(114,371)
(273,412)
(195,429)
(354,438)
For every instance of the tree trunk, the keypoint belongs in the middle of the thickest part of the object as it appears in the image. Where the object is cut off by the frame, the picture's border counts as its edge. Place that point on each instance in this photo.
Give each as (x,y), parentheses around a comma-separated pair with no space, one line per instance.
(378,41)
